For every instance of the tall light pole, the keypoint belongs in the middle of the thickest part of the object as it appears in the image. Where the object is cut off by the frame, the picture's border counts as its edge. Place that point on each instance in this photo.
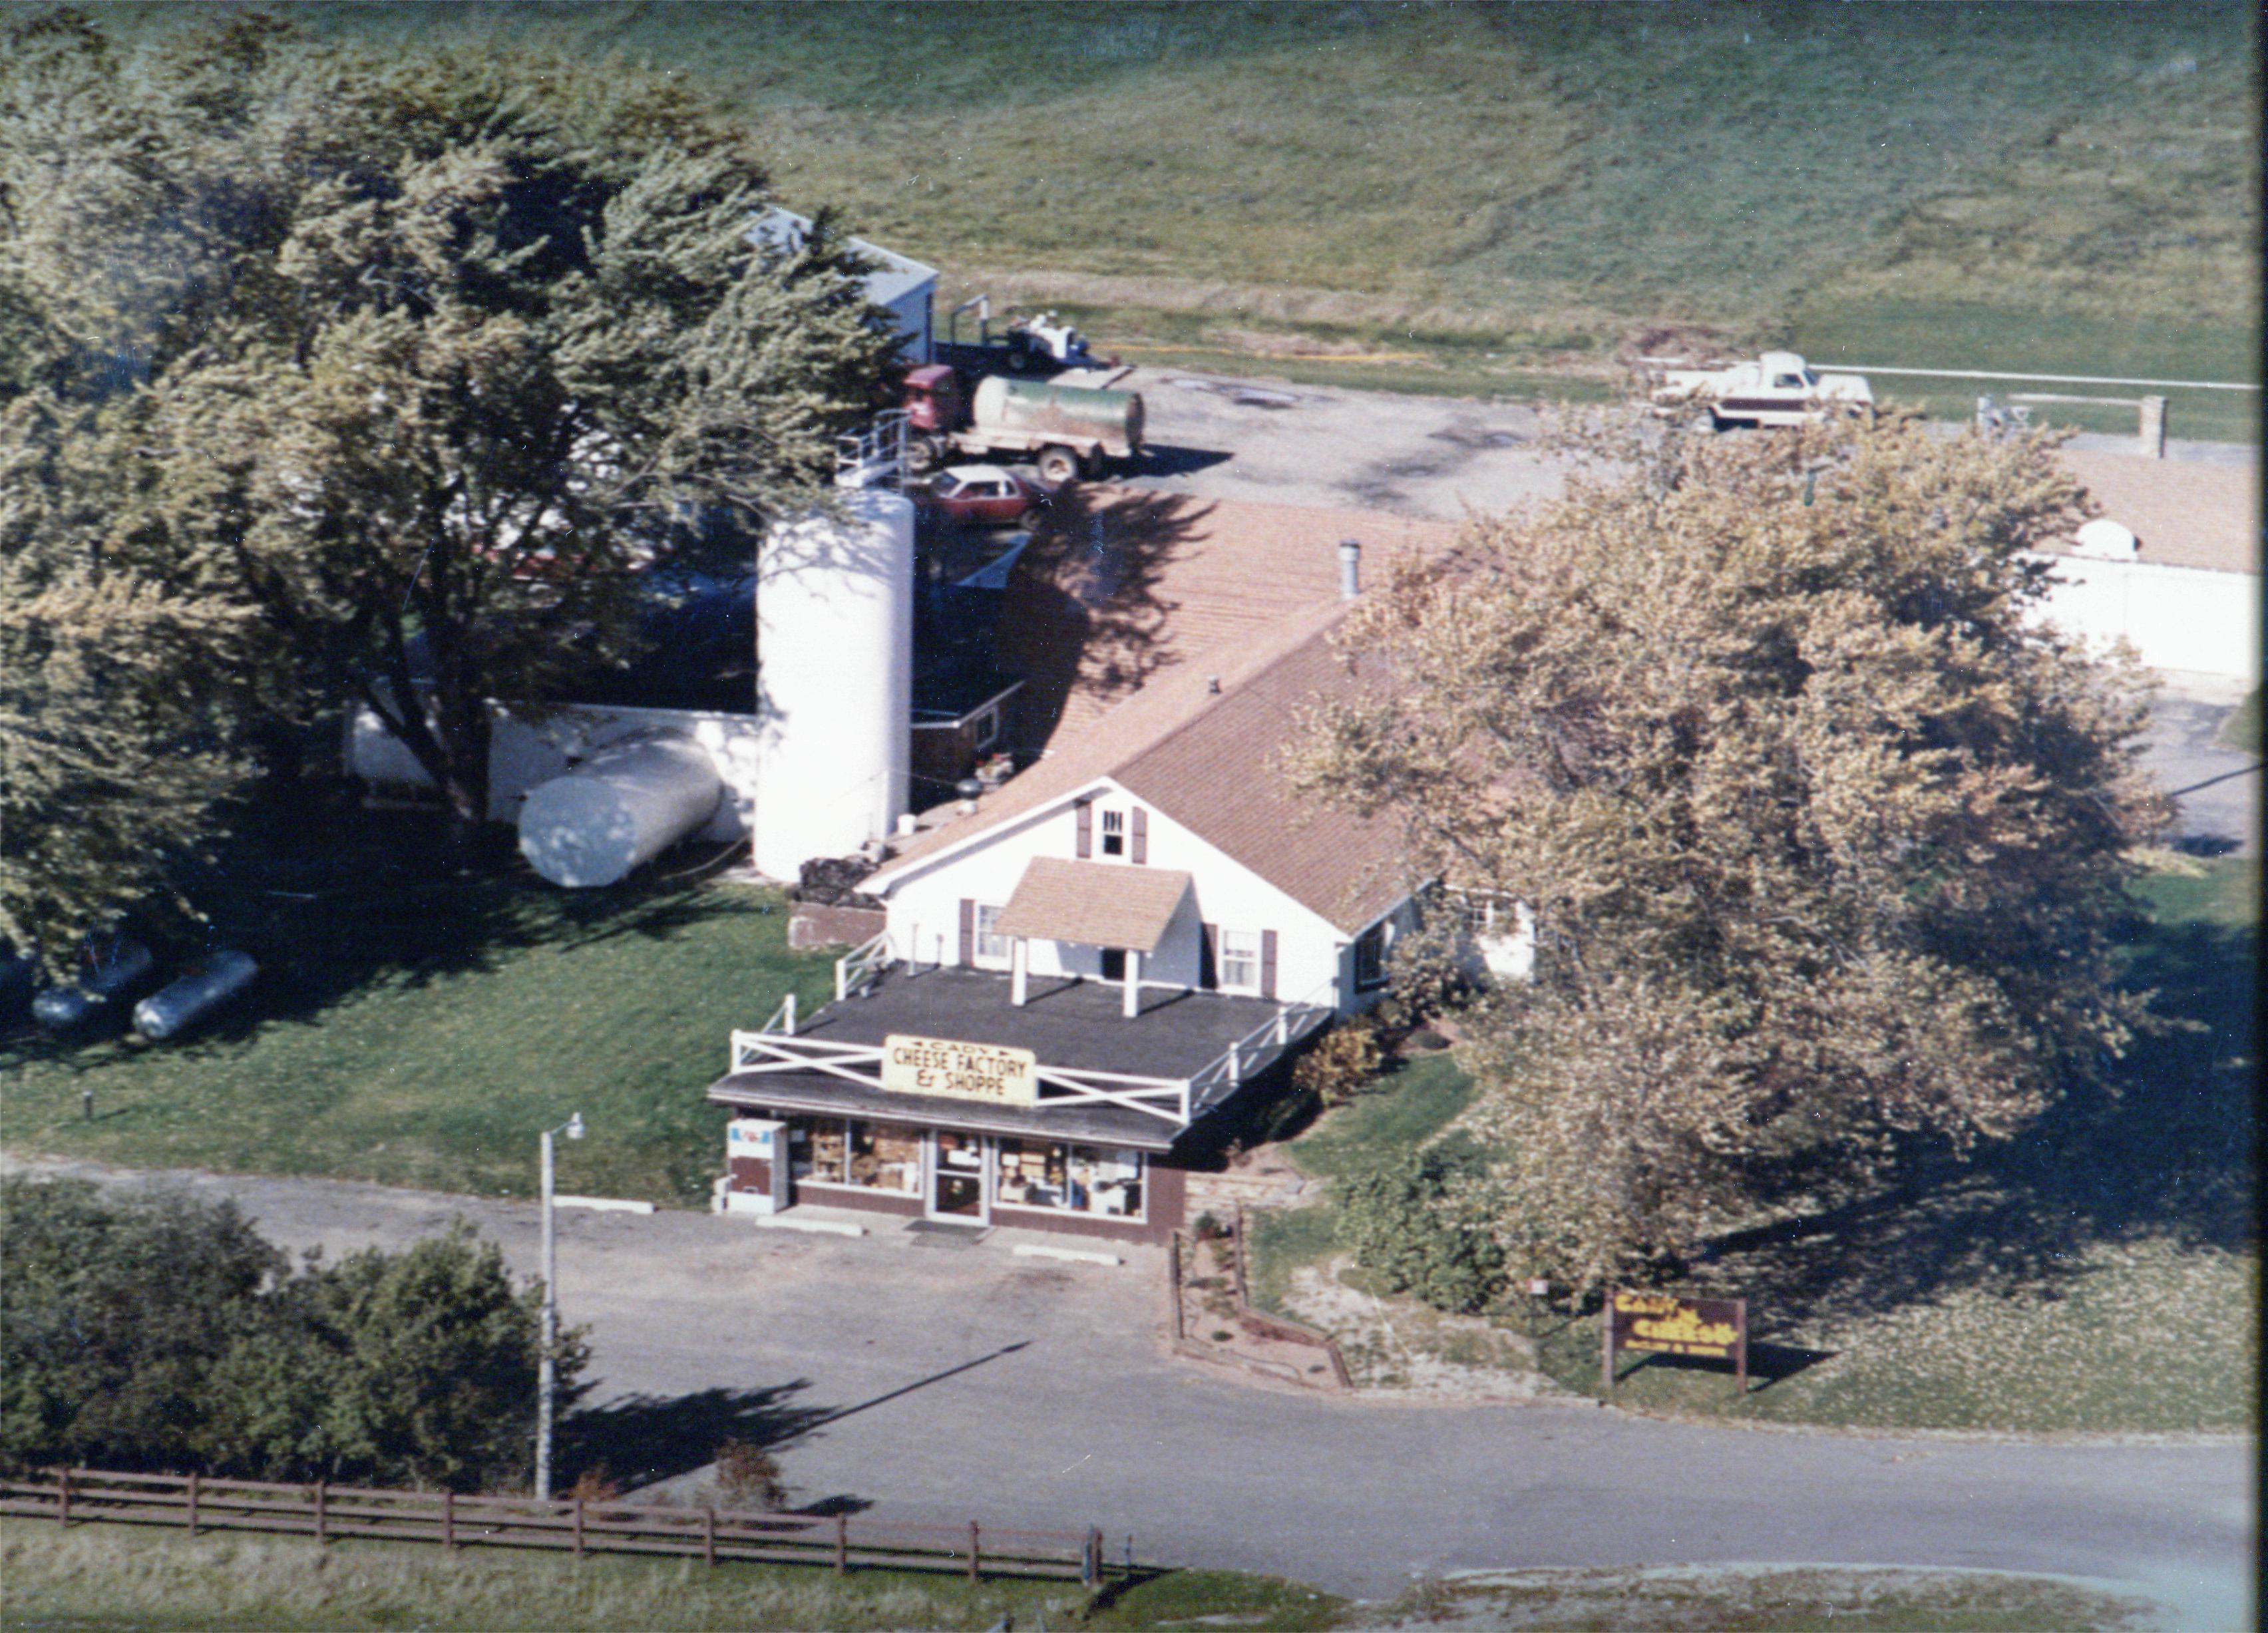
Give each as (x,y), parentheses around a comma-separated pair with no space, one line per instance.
(546,1368)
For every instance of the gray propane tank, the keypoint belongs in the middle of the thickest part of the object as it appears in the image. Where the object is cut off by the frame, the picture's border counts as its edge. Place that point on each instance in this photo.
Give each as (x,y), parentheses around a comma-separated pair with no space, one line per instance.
(59,1009)
(207,984)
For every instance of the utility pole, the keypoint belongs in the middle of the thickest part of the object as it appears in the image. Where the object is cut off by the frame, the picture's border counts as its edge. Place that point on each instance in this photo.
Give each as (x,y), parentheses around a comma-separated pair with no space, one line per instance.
(547,1382)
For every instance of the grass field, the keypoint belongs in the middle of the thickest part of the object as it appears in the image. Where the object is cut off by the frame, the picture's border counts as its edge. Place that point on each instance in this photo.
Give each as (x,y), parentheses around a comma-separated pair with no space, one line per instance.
(125,1580)
(1472,196)
(2099,1272)
(122,1580)
(415,1027)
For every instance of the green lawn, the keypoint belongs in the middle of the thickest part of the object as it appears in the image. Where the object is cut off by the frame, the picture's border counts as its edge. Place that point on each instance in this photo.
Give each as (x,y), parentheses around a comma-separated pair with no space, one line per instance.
(1481,192)
(1408,1108)
(2098,1272)
(415,1027)
(124,1579)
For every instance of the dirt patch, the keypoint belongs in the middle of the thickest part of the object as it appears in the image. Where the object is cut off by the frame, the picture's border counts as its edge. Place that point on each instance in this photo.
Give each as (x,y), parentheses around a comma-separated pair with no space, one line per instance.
(1395,1347)
(1702,346)
(1216,1323)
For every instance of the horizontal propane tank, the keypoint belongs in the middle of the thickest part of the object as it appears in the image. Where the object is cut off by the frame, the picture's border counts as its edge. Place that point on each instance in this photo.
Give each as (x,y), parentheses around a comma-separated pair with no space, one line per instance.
(59,1009)
(207,984)
(626,804)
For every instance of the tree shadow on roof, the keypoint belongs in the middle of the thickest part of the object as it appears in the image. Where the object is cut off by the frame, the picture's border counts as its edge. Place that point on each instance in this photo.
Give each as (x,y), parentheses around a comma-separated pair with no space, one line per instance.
(1088,622)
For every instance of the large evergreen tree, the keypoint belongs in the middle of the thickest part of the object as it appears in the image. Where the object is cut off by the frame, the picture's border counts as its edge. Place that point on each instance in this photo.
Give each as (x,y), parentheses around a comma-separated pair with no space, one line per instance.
(1824,831)
(422,361)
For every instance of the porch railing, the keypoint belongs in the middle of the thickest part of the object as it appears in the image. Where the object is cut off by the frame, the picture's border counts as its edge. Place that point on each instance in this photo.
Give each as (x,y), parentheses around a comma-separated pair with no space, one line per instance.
(856,970)
(1261,1046)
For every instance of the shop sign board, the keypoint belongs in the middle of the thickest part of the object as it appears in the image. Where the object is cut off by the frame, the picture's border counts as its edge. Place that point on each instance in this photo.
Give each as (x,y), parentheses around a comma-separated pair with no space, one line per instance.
(1715,1329)
(952,1070)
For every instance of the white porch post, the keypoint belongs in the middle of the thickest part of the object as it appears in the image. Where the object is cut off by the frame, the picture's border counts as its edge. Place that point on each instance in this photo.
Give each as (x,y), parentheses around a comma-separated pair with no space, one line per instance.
(1020,961)
(1133,982)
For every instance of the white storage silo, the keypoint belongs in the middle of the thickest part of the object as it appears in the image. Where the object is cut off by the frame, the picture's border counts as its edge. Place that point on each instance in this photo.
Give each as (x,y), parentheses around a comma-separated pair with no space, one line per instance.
(625,805)
(834,679)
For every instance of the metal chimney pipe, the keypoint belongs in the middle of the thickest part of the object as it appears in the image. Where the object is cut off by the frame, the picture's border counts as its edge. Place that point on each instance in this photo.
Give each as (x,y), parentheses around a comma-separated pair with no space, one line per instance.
(1350,569)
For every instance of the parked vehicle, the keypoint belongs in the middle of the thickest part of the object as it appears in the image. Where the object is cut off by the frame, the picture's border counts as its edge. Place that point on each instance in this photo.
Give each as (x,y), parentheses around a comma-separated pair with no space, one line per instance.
(984,495)
(1068,430)
(1778,389)
(1022,346)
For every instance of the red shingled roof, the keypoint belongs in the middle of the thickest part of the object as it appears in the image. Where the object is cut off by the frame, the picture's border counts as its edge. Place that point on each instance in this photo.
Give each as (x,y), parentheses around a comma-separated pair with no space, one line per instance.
(1142,605)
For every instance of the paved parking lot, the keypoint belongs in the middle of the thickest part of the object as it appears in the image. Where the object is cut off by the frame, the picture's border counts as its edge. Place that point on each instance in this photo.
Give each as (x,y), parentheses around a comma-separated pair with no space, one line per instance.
(942,1383)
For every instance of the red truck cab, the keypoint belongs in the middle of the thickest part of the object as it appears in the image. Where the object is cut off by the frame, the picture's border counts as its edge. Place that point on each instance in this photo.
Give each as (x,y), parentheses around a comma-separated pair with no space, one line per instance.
(933,402)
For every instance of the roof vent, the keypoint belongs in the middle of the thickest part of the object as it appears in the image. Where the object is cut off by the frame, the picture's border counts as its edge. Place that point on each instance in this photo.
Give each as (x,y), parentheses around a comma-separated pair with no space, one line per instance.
(1212,684)
(1350,569)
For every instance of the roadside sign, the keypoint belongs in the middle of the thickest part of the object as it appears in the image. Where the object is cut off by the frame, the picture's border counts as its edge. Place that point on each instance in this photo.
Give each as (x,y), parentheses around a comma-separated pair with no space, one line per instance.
(1715,1329)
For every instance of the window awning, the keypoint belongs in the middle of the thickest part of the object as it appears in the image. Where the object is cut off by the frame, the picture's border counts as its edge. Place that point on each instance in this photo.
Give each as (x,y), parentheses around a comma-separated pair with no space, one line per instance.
(1097,904)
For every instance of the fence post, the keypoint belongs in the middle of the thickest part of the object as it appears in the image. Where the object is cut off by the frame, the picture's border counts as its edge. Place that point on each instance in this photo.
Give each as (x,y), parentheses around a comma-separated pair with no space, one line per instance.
(579,1527)
(323,1519)
(62,1497)
(193,1502)
(448,1519)
(973,1556)
(842,1543)
(708,1537)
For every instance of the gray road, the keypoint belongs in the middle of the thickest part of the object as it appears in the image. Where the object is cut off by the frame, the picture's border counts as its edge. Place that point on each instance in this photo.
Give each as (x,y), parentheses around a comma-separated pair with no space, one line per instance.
(947,1383)
(1270,442)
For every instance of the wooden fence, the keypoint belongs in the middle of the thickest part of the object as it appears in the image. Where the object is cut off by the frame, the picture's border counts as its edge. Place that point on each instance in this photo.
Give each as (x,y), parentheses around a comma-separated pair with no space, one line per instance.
(76,1495)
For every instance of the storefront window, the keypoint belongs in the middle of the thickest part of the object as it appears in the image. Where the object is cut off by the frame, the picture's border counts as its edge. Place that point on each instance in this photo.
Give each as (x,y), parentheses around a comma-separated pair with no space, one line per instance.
(885,1159)
(1031,1175)
(1072,1179)
(1107,1182)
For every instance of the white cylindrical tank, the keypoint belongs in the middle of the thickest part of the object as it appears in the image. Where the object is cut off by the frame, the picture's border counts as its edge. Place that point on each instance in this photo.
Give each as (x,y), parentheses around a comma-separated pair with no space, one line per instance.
(627,804)
(206,985)
(834,681)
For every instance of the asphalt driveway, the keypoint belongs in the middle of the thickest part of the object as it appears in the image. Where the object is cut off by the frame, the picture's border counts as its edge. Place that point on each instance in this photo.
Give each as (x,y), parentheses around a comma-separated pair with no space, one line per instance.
(945,1383)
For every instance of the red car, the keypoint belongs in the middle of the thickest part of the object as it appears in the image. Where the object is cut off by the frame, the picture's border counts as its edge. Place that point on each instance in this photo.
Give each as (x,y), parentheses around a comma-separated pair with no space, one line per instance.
(982,493)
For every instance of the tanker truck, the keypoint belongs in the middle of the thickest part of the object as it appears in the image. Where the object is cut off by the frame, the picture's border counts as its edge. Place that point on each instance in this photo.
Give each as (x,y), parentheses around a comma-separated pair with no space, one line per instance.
(1069,429)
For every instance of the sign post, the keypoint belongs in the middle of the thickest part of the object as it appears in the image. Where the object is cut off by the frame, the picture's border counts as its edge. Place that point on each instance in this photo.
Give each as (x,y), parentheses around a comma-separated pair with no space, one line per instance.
(1715,1329)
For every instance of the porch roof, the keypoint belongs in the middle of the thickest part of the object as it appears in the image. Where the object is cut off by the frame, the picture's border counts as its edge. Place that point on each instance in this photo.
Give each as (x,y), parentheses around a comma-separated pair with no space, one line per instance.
(1097,904)
(1074,1025)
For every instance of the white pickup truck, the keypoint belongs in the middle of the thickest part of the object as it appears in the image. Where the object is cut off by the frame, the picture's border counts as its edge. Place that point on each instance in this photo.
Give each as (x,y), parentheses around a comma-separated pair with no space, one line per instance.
(1778,389)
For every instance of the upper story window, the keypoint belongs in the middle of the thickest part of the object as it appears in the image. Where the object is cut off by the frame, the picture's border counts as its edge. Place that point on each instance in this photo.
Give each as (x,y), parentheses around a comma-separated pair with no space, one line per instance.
(1113,833)
(1370,958)
(1239,960)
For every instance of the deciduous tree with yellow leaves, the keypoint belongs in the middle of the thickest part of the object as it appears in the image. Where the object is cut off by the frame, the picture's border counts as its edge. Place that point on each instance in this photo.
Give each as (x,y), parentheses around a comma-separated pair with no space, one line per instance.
(1825,833)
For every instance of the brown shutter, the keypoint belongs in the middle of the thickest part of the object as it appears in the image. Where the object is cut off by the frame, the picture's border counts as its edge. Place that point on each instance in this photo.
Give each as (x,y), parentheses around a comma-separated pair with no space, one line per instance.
(1209,959)
(967,930)
(1137,838)
(1085,810)
(1267,963)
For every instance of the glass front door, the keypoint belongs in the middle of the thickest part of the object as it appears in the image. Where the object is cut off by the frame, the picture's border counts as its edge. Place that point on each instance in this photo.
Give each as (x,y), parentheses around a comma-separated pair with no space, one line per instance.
(957,1177)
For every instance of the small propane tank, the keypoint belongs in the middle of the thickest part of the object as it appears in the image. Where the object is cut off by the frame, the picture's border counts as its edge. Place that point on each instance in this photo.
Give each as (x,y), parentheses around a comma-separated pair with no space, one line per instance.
(59,1009)
(207,984)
